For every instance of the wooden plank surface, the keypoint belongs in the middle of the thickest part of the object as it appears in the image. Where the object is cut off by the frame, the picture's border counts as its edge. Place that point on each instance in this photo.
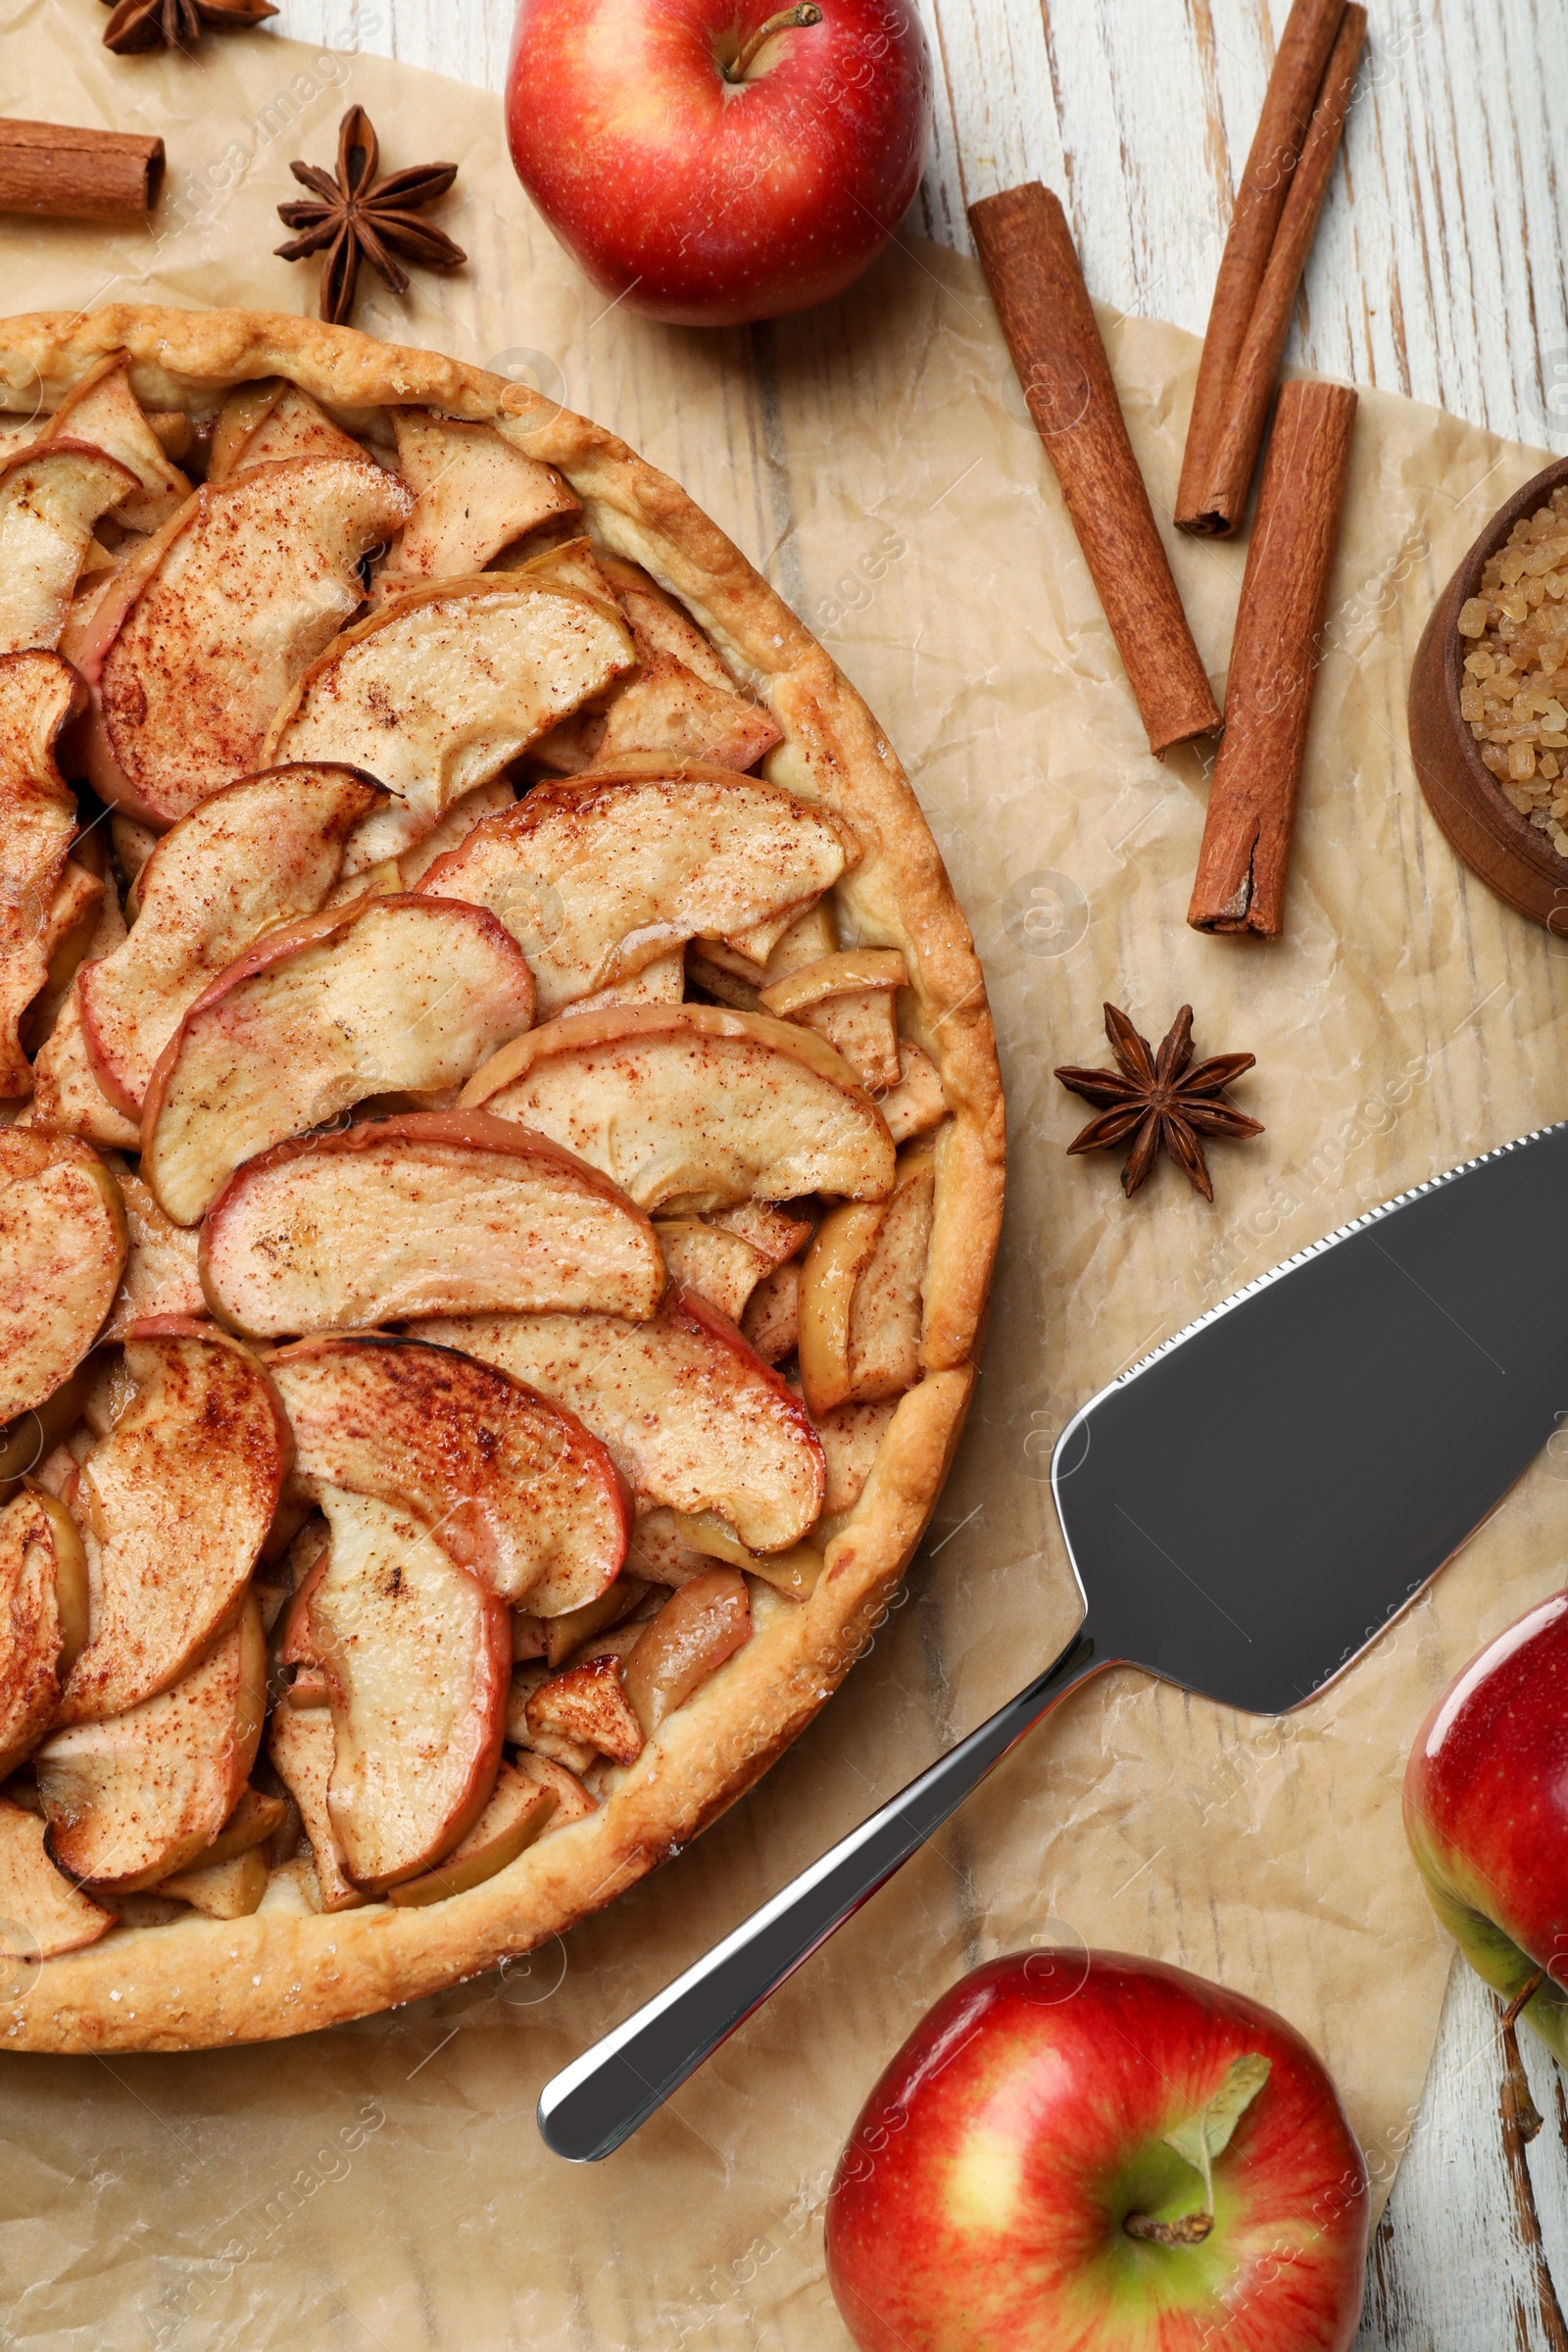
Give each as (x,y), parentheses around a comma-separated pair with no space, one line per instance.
(1440,271)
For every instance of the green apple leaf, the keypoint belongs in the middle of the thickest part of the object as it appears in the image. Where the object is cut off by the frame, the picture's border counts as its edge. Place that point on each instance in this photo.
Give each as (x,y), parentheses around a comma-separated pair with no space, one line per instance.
(1208,2134)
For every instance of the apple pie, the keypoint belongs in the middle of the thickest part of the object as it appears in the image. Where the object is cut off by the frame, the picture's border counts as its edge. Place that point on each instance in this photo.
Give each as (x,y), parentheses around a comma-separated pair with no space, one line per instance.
(501,1163)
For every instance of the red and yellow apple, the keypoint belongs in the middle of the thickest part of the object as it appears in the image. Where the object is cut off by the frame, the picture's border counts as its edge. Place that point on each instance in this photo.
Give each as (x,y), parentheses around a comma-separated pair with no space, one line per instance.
(1087,2149)
(712,163)
(1485,1811)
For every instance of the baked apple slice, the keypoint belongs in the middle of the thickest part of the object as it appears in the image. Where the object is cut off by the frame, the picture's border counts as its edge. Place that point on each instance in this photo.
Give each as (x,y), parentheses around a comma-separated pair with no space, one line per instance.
(860,1293)
(260,423)
(397,831)
(417,1658)
(163,1265)
(66,1096)
(519,1807)
(691,1106)
(430,1213)
(513,1489)
(721,1267)
(63,1245)
(39,695)
(848,998)
(176,1503)
(215,621)
(131,1801)
(43,1618)
(303,1750)
(384,995)
(599,877)
(100,409)
(256,854)
(50,502)
(680,701)
(916,1103)
(476,493)
(691,1417)
(698,1629)
(229,1890)
(437,691)
(42,1915)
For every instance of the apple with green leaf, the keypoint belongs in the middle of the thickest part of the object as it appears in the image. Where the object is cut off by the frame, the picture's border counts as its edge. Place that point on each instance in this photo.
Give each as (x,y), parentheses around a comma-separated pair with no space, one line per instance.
(1089,2149)
(1485,1811)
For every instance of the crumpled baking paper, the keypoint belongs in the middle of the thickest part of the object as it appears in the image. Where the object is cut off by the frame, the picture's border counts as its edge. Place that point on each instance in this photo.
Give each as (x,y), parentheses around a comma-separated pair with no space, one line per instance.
(384,2185)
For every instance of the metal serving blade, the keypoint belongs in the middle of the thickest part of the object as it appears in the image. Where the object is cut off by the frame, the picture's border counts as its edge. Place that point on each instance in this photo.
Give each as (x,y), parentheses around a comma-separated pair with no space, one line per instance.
(1245,1510)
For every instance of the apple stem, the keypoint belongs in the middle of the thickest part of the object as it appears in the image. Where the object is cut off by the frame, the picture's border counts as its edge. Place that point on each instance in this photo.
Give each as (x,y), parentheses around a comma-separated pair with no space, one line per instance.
(1190,2231)
(1517,2102)
(785,22)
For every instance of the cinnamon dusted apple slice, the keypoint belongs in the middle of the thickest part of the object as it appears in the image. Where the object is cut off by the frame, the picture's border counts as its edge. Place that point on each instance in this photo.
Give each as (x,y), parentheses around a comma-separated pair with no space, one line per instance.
(661,982)
(440,689)
(384,995)
(693,1418)
(476,493)
(680,700)
(102,410)
(212,624)
(71,927)
(431,1213)
(38,694)
(256,854)
(860,1293)
(772,1231)
(395,830)
(772,1323)
(130,1800)
(229,1890)
(262,423)
(163,1267)
(851,1436)
(587,1705)
(43,1618)
(848,998)
(50,502)
(66,1096)
(62,1251)
(720,1266)
(598,878)
(916,1103)
(176,1503)
(572,1800)
(254,1821)
(417,1657)
(691,1106)
(695,1630)
(42,1915)
(519,1807)
(513,1488)
(302,1750)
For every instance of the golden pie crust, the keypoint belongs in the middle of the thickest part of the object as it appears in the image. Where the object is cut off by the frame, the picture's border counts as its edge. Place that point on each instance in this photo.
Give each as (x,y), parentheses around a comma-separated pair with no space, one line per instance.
(197,1983)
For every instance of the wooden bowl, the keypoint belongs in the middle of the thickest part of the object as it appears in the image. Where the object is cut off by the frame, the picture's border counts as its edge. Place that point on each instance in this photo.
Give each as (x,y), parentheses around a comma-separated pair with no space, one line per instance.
(1513,857)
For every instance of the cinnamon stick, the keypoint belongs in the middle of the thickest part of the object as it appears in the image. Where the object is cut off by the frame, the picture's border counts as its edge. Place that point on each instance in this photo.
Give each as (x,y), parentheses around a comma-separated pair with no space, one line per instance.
(1293,85)
(54,172)
(1275,653)
(1258,366)
(1030,262)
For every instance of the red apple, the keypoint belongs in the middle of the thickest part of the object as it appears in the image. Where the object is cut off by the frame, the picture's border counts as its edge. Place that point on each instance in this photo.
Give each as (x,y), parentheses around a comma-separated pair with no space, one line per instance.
(1485,1811)
(706,173)
(1012,2185)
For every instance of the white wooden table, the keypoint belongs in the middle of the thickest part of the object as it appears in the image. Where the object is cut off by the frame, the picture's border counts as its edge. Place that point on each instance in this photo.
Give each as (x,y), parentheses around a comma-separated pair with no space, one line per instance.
(1439,272)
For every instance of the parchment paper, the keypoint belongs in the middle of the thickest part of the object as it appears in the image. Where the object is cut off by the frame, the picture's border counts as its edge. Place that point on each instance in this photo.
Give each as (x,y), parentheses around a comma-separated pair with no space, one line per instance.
(384,2185)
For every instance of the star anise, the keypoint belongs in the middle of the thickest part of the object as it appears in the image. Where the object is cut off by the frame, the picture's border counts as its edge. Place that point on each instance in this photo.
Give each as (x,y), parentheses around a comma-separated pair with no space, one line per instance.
(1155,1098)
(174,24)
(358,215)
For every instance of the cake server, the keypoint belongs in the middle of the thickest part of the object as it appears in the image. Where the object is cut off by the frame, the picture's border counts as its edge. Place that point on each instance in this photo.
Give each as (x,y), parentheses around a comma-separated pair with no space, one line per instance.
(1244,1512)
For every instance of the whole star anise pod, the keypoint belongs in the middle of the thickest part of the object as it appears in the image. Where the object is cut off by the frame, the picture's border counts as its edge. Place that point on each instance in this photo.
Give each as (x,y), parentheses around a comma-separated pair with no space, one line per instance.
(1155,1098)
(358,215)
(174,24)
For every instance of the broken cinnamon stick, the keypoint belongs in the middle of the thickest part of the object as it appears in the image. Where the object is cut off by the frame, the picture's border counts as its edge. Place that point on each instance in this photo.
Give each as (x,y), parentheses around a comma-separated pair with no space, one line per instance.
(1031,266)
(1283,130)
(56,173)
(1245,858)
